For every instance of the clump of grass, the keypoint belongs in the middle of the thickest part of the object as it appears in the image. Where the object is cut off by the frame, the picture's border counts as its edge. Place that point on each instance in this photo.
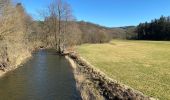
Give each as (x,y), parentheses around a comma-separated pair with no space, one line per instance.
(143,65)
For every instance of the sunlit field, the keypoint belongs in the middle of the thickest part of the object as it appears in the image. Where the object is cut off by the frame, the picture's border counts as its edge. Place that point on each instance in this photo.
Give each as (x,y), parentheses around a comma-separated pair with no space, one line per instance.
(142,65)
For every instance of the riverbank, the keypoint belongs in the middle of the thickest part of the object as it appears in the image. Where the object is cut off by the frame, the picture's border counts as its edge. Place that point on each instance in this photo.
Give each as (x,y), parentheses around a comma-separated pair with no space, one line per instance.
(17,56)
(94,84)
(87,89)
(20,59)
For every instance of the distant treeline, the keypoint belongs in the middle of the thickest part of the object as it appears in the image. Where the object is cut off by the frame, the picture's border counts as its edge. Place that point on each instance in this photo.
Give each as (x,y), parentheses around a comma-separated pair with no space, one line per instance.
(158,29)
(93,33)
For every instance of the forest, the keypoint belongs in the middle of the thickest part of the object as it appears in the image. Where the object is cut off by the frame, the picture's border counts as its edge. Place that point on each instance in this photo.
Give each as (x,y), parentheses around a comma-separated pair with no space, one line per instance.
(158,29)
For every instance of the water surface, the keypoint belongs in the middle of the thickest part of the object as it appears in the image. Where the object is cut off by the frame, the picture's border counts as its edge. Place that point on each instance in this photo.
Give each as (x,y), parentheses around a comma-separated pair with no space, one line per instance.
(46,76)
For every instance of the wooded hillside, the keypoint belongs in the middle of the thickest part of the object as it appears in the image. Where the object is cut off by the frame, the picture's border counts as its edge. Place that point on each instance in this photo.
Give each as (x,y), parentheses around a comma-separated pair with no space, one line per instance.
(93,33)
(158,29)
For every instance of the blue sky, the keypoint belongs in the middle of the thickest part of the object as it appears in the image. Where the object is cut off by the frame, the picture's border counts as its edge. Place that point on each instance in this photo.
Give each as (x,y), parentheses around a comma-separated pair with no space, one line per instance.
(111,13)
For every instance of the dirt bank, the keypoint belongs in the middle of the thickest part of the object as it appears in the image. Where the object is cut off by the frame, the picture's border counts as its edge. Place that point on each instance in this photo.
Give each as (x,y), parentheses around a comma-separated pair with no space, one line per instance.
(87,89)
(18,61)
(95,85)
(16,56)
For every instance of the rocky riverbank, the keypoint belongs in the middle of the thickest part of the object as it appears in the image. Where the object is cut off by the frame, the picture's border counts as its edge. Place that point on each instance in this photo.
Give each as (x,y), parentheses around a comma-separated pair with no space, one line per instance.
(95,85)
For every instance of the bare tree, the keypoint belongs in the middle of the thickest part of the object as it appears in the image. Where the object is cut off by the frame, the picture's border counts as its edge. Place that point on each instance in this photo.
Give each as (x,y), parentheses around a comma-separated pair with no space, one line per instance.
(59,20)
(15,25)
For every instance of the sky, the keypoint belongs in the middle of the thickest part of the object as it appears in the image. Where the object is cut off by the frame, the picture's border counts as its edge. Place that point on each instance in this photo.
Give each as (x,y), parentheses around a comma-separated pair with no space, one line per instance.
(110,13)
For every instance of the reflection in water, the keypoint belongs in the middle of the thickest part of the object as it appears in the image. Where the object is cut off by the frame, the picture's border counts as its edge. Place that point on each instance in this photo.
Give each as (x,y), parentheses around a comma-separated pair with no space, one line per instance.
(46,76)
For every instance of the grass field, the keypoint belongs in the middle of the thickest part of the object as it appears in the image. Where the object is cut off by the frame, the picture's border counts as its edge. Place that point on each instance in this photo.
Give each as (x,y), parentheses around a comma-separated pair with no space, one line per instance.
(142,65)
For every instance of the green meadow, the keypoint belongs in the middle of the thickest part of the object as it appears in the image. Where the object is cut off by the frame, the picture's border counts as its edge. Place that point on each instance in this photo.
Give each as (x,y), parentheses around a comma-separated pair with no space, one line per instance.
(142,65)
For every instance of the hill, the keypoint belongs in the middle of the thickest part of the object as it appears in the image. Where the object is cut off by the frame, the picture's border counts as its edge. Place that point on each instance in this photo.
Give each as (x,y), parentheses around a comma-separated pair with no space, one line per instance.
(93,31)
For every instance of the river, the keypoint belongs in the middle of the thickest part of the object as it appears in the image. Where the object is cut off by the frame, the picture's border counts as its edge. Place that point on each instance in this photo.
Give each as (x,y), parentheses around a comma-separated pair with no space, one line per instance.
(46,76)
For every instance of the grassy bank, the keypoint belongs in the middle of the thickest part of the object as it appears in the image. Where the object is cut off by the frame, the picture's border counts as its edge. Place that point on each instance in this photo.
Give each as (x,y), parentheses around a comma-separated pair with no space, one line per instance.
(143,65)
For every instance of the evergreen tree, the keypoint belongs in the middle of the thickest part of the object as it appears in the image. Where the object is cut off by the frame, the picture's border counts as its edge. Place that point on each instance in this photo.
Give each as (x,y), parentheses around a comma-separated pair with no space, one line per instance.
(158,29)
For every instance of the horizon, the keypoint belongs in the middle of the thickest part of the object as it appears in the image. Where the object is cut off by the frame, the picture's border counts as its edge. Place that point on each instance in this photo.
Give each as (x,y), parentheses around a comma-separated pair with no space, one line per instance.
(111,13)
